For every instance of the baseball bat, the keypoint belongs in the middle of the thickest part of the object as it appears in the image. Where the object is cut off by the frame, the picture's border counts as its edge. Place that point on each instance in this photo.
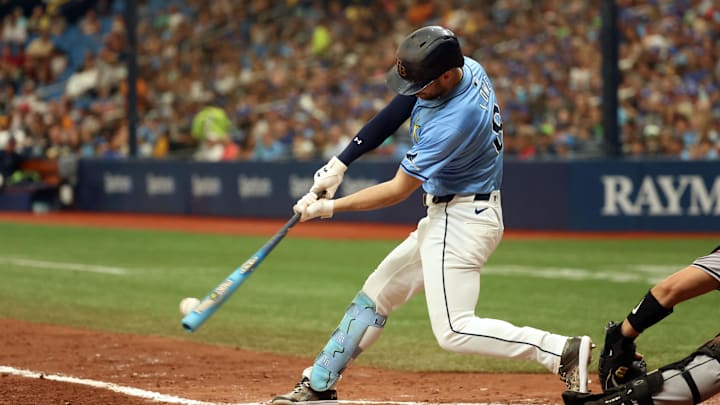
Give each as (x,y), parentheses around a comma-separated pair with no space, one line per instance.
(213,301)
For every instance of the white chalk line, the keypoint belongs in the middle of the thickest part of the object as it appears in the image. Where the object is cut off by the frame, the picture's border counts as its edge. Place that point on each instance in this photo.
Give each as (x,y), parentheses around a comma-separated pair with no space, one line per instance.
(171,399)
(626,274)
(44,264)
(135,392)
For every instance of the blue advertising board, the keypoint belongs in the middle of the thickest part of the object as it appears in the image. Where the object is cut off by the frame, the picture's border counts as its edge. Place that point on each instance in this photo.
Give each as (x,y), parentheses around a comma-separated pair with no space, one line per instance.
(147,186)
(241,189)
(662,196)
(591,196)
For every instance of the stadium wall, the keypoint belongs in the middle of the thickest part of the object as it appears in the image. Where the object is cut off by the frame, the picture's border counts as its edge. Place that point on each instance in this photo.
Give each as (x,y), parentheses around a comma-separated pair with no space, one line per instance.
(591,196)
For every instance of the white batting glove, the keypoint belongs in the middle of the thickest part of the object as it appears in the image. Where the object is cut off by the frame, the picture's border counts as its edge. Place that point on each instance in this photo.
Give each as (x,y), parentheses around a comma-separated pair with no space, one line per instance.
(322,208)
(304,201)
(329,177)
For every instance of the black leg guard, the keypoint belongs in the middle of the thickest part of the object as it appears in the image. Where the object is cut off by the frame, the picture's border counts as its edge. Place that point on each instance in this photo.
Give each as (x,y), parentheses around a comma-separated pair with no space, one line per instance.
(636,392)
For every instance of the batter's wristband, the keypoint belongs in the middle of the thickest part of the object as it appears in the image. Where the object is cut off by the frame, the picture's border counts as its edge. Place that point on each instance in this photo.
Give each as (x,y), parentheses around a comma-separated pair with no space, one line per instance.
(647,313)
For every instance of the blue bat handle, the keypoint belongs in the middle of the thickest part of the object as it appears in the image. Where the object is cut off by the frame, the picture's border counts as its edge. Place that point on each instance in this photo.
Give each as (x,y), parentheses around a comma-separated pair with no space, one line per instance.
(224,290)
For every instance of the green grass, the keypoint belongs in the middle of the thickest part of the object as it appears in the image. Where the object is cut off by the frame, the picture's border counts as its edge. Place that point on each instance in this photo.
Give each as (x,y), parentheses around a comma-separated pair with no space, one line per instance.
(297,296)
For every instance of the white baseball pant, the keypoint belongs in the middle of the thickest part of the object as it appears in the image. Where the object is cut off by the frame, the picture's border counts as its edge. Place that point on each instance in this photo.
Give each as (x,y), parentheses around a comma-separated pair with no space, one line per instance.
(445,256)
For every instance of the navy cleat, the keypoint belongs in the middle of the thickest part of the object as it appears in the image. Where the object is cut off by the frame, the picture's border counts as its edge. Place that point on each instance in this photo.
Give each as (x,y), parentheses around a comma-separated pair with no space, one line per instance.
(304,394)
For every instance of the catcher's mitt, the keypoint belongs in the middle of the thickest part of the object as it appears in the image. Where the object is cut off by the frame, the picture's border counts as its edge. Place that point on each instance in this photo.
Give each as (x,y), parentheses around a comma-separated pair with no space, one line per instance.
(619,363)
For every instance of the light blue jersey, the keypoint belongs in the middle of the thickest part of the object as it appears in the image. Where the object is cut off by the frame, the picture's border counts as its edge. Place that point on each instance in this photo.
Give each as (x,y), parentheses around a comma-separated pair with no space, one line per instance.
(457,140)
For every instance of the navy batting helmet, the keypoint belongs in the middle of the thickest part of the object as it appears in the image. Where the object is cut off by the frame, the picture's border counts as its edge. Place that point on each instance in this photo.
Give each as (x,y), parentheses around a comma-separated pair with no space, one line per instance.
(422,57)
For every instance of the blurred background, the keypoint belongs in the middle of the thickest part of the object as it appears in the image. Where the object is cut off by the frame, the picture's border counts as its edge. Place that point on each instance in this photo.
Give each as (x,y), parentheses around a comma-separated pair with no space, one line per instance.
(292,81)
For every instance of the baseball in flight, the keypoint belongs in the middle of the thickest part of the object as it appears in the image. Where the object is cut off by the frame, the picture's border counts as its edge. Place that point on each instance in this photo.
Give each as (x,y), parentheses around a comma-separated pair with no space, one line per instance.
(187,305)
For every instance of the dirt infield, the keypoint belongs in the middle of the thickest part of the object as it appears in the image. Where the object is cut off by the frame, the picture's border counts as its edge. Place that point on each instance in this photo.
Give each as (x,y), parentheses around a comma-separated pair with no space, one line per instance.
(219,375)
(192,373)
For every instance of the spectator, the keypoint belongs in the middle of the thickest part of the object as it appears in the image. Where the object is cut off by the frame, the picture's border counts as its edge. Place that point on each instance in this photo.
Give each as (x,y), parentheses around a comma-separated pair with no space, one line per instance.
(15,28)
(84,80)
(90,24)
(211,128)
(7,96)
(37,20)
(302,147)
(161,146)
(247,148)
(337,141)
(10,161)
(11,60)
(269,148)
(231,150)
(41,48)
(702,150)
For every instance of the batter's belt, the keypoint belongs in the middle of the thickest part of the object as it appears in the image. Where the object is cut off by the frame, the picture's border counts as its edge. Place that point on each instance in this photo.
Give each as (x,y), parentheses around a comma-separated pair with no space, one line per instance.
(437,199)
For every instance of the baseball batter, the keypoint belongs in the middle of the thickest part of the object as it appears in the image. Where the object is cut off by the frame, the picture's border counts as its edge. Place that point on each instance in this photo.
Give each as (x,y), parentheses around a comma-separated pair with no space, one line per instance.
(456,156)
(691,380)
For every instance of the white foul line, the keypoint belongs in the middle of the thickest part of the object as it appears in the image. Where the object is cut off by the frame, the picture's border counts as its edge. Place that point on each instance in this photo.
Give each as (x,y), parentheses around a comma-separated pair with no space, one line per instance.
(42,264)
(135,392)
(171,399)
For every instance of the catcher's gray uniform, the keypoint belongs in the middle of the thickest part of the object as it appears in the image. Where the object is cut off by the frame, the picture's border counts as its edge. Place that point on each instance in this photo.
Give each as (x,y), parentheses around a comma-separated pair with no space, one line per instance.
(710,263)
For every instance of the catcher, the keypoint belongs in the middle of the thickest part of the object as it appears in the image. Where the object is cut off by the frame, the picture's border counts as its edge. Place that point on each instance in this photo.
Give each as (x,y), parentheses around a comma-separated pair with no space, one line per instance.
(622,370)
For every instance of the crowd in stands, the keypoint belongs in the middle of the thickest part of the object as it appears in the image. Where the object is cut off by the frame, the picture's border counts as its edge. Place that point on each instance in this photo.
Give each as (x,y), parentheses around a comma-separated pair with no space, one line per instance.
(297,78)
